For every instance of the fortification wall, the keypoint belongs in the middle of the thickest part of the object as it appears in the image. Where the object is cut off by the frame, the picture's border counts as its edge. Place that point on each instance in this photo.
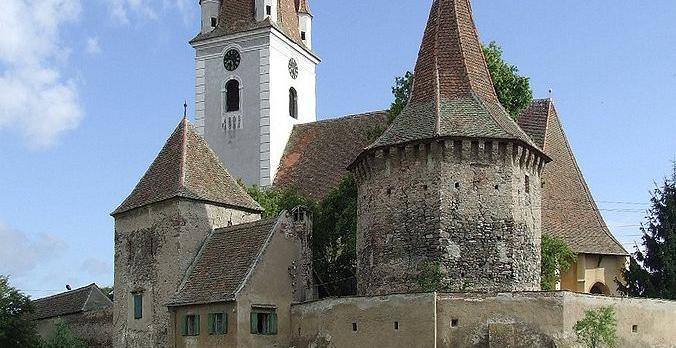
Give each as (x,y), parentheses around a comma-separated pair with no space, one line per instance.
(504,320)
(95,328)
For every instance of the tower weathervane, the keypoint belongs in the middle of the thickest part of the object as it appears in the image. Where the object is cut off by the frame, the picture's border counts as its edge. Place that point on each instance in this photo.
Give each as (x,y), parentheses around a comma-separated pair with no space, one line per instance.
(185,109)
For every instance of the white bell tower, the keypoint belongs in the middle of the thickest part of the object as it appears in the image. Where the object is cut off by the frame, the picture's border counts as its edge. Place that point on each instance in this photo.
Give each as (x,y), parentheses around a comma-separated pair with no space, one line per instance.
(255,79)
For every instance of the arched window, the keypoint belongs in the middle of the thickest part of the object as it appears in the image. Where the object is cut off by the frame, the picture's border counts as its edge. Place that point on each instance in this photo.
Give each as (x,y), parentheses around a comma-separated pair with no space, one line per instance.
(293,103)
(232,96)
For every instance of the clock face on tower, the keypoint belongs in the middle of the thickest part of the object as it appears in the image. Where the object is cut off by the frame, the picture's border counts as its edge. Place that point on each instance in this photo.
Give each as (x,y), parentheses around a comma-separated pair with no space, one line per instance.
(231,60)
(293,68)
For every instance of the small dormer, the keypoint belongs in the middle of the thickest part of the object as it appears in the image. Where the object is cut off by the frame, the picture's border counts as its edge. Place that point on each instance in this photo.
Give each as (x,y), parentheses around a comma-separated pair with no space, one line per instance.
(305,23)
(210,11)
(266,9)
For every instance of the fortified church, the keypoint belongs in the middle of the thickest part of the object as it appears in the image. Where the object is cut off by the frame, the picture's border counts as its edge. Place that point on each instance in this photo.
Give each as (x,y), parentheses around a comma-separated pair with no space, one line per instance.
(454,180)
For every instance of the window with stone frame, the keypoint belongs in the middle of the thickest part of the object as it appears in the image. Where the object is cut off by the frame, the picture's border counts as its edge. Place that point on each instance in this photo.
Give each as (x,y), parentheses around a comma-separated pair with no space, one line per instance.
(263,321)
(232,96)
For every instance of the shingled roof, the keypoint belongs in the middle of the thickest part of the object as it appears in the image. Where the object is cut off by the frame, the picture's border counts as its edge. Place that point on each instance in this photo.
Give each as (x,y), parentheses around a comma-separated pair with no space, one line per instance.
(224,263)
(186,167)
(568,208)
(238,16)
(453,94)
(79,300)
(317,153)
(303,7)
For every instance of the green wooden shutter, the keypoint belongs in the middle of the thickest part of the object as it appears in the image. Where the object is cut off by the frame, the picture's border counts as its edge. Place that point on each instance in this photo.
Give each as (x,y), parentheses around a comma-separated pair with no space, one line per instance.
(211,323)
(225,323)
(273,323)
(197,325)
(184,325)
(254,323)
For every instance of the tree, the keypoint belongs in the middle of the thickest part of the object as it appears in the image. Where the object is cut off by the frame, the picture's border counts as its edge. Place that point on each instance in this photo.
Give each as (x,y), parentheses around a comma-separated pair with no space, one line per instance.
(335,238)
(598,328)
(556,258)
(652,269)
(16,327)
(513,90)
(62,337)
(274,201)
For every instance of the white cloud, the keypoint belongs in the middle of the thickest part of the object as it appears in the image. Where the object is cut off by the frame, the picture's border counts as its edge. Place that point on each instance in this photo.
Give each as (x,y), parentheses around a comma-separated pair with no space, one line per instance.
(35,98)
(93,46)
(21,253)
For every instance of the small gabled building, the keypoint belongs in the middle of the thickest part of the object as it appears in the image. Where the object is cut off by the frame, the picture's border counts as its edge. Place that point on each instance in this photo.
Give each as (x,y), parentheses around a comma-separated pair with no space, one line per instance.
(239,290)
(569,210)
(185,195)
(87,311)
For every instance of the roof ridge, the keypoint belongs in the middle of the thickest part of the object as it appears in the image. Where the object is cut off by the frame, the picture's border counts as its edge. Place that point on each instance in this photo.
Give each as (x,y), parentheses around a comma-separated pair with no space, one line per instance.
(344,117)
(68,292)
(244,225)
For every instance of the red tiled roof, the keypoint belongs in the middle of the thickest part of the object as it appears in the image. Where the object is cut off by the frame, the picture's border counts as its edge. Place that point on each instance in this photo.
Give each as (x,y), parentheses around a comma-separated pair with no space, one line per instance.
(318,153)
(186,167)
(453,93)
(70,302)
(222,266)
(568,208)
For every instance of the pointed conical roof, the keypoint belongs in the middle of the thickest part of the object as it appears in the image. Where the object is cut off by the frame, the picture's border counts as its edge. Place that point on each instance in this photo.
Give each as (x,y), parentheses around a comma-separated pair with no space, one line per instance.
(568,208)
(186,167)
(453,94)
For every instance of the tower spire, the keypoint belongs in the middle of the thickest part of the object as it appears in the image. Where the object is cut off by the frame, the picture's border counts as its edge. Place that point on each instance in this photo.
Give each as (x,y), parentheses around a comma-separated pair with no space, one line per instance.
(453,93)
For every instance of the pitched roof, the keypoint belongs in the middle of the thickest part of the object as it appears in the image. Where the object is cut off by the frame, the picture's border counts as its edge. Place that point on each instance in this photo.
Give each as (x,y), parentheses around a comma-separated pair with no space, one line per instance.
(303,7)
(317,153)
(238,16)
(75,301)
(223,264)
(186,167)
(453,93)
(568,208)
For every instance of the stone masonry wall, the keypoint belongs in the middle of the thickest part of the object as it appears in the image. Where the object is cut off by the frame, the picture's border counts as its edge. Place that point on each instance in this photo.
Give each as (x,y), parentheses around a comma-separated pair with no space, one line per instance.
(459,203)
(154,246)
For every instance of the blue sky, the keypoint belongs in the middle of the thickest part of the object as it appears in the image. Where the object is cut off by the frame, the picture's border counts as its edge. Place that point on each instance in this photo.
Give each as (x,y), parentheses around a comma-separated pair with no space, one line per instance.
(90,90)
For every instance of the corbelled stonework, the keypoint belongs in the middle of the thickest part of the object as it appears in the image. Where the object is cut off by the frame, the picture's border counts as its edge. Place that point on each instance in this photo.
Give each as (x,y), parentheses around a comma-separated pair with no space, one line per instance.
(454,182)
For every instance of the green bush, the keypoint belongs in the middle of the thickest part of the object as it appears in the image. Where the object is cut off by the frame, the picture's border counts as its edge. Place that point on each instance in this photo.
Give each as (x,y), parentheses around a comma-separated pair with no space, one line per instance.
(598,328)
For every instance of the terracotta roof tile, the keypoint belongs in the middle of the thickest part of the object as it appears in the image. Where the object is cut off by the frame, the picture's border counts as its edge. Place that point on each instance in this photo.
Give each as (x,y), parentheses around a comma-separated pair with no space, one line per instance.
(222,265)
(317,154)
(238,16)
(568,208)
(453,94)
(186,167)
(70,302)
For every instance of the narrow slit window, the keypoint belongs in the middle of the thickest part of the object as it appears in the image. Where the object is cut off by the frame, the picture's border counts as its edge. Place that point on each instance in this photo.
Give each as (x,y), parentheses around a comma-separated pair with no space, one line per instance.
(268,10)
(527,183)
(293,103)
(302,35)
(354,326)
(214,21)
(138,306)
(232,96)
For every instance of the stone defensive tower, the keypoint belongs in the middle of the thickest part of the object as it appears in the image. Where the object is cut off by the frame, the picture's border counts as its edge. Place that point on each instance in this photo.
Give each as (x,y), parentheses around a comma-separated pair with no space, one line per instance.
(453,183)
(183,197)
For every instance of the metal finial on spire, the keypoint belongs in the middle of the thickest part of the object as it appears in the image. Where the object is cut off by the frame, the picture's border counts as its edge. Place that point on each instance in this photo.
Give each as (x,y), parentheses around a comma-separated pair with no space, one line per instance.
(185,109)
